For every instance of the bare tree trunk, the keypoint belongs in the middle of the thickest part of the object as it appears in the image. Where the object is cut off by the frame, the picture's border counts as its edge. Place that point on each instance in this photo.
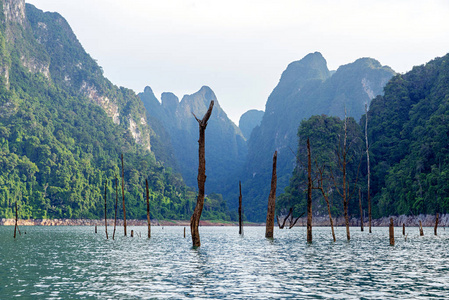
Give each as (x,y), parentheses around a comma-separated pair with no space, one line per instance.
(271,201)
(184,232)
(290,212)
(123,196)
(391,232)
(240,209)
(116,205)
(105,210)
(309,193)
(345,196)
(403,228)
(436,224)
(17,221)
(361,210)
(195,219)
(421,231)
(368,166)
(148,209)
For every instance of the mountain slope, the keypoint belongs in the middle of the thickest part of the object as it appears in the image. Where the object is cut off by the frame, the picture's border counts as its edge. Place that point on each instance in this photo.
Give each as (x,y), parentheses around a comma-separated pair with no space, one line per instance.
(63,127)
(306,88)
(250,120)
(225,144)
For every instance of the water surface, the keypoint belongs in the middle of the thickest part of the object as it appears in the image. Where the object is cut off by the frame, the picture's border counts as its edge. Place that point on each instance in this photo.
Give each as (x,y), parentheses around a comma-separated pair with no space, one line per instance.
(74,262)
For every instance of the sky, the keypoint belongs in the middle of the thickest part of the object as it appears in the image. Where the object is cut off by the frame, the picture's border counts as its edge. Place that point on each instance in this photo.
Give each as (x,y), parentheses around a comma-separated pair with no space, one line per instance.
(239,48)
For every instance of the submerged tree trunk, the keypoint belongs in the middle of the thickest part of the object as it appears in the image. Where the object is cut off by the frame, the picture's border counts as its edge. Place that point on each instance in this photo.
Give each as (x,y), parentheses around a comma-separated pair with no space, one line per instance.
(195,219)
(123,196)
(391,232)
(309,193)
(368,167)
(116,205)
(16,226)
(421,231)
(148,209)
(345,194)
(361,210)
(436,224)
(271,201)
(105,210)
(240,209)
(403,228)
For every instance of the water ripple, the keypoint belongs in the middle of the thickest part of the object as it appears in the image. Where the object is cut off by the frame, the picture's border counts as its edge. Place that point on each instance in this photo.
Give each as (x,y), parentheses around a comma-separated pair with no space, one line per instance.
(73,262)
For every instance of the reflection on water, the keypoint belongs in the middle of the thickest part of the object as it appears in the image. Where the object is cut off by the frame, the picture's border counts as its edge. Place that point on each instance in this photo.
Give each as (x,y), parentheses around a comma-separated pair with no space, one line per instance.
(73,262)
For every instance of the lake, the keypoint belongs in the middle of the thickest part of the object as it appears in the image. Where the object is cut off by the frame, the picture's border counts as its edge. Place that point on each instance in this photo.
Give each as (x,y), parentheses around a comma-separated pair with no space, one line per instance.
(73,262)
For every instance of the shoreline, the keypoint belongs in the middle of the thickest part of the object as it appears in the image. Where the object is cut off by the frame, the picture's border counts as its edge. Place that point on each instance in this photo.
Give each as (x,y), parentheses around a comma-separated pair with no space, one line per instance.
(322,221)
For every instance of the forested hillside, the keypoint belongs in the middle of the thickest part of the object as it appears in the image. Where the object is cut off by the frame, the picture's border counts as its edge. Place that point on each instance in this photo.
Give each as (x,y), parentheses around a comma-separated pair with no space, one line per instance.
(409,132)
(63,127)
(306,88)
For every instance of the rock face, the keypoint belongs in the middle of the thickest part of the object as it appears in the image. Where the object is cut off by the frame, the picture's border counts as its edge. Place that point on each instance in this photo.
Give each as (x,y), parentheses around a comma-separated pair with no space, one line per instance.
(225,144)
(306,88)
(250,120)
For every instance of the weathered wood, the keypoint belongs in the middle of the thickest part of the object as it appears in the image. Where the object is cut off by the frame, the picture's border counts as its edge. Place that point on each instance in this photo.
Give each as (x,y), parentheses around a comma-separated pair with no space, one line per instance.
(195,219)
(361,210)
(132,233)
(16,222)
(436,224)
(95,228)
(105,210)
(269,227)
(148,209)
(391,232)
(309,193)
(421,231)
(240,209)
(116,206)
(296,220)
(123,196)
(184,232)
(368,167)
(403,228)
(290,212)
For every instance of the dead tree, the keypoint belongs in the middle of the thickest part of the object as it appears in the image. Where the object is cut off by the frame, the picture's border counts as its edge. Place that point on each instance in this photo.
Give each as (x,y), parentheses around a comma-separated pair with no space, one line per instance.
(105,210)
(240,209)
(290,212)
(421,231)
(436,224)
(391,232)
(368,166)
(320,187)
(361,210)
(293,223)
(123,196)
(148,209)
(403,228)
(309,193)
(345,192)
(116,205)
(16,226)
(195,219)
(271,201)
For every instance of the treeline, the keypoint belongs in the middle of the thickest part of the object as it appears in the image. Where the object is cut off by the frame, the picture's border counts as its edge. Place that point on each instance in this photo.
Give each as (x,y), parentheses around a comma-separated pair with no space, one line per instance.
(408,131)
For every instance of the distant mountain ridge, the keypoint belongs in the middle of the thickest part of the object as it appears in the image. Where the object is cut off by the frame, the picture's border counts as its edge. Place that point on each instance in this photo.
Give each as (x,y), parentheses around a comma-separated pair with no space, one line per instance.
(306,88)
(225,144)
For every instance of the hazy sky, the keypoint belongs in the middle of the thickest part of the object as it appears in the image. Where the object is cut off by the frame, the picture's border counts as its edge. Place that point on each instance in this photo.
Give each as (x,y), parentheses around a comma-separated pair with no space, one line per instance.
(241,47)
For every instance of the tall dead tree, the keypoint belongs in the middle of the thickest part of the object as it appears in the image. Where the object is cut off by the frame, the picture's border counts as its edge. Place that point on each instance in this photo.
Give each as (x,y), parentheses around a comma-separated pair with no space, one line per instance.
(269,227)
(195,219)
(421,231)
(16,226)
(240,209)
(361,210)
(148,209)
(116,205)
(123,196)
(105,210)
(391,232)
(309,193)
(368,167)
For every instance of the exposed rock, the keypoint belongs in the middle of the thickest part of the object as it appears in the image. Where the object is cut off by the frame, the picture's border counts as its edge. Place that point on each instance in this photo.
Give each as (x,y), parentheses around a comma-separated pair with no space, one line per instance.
(14,11)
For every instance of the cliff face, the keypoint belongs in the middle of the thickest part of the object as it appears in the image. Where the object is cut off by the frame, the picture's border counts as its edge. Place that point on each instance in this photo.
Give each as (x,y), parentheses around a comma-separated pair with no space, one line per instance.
(225,144)
(306,88)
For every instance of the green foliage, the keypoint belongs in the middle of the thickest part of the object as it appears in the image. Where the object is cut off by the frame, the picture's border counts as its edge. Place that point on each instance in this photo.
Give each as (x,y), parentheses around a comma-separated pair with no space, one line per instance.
(58,148)
(409,133)
(326,136)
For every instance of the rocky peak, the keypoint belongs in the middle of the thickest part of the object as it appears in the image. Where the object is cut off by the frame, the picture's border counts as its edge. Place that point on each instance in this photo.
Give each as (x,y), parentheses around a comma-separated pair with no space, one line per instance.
(169,101)
(14,11)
